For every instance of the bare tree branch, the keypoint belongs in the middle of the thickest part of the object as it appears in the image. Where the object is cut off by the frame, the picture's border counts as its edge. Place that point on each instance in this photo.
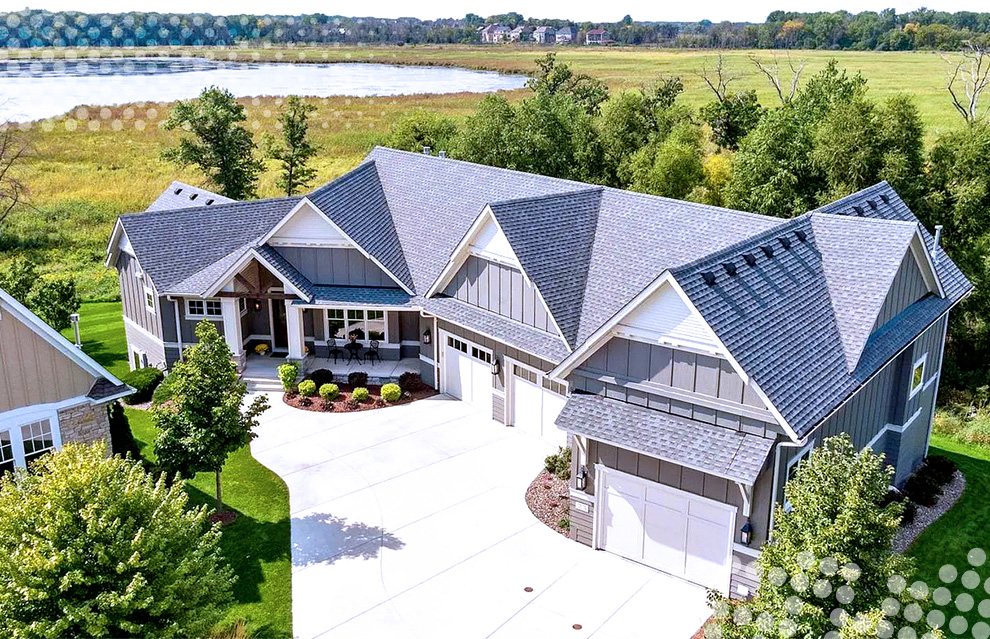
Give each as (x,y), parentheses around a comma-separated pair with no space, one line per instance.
(972,72)
(772,73)
(718,78)
(13,148)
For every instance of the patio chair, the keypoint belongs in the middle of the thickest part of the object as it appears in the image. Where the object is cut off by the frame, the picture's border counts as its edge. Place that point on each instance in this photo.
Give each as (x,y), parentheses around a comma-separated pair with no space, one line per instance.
(372,353)
(353,352)
(333,350)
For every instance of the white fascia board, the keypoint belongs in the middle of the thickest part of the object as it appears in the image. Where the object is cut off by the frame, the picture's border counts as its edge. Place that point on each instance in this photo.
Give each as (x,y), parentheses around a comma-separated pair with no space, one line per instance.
(924,258)
(54,338)
(460,253)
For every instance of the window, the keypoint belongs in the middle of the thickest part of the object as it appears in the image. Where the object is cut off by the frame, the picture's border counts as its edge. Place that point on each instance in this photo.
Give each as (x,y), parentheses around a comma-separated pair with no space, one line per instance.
(37,437)
(242,305)
(149,300)
(139,359)
(336,328)
(918,376)
(6,453)
(792,468)
(204,308)
(364,325)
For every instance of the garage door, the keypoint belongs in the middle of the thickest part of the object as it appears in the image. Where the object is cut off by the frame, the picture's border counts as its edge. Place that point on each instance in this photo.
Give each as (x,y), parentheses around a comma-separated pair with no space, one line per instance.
(536,402)
(668,529)
(468,373)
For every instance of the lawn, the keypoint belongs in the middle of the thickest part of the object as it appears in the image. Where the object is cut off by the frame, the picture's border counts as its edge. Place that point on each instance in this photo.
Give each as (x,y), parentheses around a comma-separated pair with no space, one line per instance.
(101,330)
(964,527)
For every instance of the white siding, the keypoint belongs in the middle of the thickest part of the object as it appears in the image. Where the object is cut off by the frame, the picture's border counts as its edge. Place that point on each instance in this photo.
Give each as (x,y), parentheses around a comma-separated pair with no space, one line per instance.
(491,242)
(666,315)
(308,227)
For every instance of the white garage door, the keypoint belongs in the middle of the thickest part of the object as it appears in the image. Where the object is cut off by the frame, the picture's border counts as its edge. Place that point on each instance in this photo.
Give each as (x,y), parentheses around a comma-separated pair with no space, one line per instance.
(536,402)
(669,529)
(468,373)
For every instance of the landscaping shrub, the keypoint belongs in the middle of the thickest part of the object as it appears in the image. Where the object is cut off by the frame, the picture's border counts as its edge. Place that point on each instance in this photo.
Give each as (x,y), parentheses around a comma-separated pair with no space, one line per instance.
(391,393)
(329,392)
(940,468)
(144,381)
(122,441)
(307,388)
(360,394)
(910,510)
(922,489)
(287,374)
(321,377)
(411,382)
(559,463)
(357,378)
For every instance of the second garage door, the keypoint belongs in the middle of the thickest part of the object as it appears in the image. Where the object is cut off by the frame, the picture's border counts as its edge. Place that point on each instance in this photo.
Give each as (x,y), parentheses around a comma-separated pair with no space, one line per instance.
(536,402)
(669,529)
(468,373)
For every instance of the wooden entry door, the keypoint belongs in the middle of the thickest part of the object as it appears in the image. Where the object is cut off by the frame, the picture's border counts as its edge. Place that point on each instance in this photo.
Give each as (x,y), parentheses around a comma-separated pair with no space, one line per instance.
(280,332)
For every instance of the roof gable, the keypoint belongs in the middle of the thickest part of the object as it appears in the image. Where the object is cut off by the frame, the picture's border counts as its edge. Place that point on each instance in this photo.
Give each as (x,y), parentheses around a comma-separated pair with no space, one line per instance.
(306,226)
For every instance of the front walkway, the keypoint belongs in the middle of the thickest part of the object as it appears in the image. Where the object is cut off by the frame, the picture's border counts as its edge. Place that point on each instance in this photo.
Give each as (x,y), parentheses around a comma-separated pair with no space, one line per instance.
(411,521)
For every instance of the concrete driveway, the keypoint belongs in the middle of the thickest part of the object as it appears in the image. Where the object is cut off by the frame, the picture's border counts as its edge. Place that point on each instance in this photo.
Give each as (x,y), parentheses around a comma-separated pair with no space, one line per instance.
(411,521)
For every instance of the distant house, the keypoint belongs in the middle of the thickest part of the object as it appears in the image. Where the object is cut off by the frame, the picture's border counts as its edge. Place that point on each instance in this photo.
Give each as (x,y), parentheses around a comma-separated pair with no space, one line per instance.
(544,35)
(566,35)
(494,34)
(597,36)
(50,391)
(521,33)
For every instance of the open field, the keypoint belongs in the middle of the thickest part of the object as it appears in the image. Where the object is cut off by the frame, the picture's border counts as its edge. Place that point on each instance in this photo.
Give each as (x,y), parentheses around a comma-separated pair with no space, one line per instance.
(99,162)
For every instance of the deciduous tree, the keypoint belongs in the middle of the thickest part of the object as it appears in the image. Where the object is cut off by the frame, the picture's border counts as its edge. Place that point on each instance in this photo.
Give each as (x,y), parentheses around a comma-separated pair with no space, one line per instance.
(295,150)
(54,299)
(421,128)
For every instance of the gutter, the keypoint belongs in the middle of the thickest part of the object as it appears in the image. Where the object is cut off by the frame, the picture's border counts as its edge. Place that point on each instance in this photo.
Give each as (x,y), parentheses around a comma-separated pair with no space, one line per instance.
(178,327)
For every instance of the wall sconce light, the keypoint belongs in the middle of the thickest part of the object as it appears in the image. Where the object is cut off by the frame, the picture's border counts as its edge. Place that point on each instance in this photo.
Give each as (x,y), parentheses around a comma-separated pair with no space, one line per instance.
(74,318)
(257,305)
(427,336)
(496,367)
(581,480)
(746,533)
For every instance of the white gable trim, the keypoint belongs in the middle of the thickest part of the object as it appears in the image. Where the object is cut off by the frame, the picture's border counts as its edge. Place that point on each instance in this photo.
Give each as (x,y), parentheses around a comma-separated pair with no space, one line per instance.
(54,338)
(250,254)
(925,263)
(610,329)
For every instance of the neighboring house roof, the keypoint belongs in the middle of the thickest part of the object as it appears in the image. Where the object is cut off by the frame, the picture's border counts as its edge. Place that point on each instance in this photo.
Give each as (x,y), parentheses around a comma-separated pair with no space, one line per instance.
(105,385)
(180,195)
(597,32)
(545,29)
(724,452)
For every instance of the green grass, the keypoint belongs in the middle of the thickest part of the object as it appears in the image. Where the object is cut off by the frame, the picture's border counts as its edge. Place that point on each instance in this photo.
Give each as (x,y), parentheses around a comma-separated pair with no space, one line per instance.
(964,527)
(257,545)
(101,330)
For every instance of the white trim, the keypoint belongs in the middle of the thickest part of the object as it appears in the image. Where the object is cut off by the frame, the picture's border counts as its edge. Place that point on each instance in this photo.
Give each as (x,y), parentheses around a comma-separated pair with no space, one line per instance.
(796,459)
(893,428)
(931,416)
(427,360)
(383,343)
(746,550)
(137,327)
(502,342)
(204,315)
(150,293)
(497,393)
(53,337)
(250,254)
(776,481)
(920,252)
(7,419)
(921,361)
(407,342)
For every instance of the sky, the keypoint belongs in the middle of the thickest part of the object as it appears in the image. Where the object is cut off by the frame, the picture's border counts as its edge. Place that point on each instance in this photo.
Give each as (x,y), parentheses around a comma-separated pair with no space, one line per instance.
(714,10)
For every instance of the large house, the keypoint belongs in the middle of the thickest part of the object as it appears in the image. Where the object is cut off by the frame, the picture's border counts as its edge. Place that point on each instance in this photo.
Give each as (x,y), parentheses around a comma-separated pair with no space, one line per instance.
(494,33)
(690,356)
(544,35)
(566,35)
(522,33)
(50,391)
(597,36)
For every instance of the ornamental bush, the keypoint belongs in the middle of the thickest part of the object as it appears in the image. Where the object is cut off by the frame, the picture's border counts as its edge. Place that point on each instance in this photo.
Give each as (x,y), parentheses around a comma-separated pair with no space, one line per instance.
(360,394)
(940,468)
(287,374)
(391,393)
(559,463)
(922,489)
(321,376)
(329,392)
(93,546)
(357,378)
(410,381)
(307,388)
(144,381)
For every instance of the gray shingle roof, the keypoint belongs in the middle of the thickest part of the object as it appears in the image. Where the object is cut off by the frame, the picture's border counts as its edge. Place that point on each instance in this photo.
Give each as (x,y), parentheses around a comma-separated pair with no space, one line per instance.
(723,452)
(364,296)
(180,195)
(285,268)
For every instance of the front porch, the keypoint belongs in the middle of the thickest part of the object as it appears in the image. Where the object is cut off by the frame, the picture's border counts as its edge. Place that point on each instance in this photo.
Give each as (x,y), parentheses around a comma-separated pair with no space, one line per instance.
(261,373)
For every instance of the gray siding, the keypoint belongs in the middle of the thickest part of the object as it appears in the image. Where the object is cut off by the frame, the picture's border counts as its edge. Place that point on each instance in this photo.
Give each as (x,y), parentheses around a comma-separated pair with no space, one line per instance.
(907,288)
(690,385)
(340,266)
(188,326)
(500,289)
(132,296)
(744,574)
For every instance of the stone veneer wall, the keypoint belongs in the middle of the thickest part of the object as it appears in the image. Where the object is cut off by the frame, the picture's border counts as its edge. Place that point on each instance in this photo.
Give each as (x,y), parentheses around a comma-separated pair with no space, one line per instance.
(84,423)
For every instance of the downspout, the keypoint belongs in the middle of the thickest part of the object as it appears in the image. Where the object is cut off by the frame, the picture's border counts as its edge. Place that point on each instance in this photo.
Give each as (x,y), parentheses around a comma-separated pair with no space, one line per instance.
(178,326)
(776,476)
(436,348)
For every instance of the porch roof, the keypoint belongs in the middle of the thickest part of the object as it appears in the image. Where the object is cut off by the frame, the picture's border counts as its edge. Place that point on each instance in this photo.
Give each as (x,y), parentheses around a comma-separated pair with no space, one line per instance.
(361,296)
(723,452)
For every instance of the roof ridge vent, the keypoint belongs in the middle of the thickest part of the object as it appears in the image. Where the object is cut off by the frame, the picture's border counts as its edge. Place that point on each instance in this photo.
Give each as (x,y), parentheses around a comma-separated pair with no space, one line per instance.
(801,235)
(178,190)
(768,250)
(709,278)
(785,242)
(729,267)
(750,259)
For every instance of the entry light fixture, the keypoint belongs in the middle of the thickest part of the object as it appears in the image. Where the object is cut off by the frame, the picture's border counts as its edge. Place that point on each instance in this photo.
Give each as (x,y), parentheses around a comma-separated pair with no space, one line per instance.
(581,481)
(427,336)
(257,305)
(496,367)
(746,533)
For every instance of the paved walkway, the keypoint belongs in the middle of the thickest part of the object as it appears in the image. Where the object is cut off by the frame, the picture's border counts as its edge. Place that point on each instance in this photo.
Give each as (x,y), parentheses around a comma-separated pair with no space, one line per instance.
(411,522)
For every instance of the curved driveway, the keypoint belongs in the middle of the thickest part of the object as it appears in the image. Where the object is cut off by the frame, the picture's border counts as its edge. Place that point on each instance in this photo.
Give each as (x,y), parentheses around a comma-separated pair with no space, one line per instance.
(411,522)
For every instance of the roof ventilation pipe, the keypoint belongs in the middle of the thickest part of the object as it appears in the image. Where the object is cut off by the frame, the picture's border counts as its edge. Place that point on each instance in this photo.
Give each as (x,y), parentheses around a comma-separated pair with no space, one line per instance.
(443,154)
(426,150)
(938,238)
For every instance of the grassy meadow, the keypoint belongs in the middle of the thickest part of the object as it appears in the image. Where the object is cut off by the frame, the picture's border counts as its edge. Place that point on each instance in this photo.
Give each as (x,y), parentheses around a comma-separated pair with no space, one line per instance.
(97,162)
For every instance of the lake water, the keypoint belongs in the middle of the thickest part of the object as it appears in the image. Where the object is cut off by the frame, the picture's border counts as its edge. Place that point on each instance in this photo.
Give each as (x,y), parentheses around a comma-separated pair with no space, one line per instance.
(37,89)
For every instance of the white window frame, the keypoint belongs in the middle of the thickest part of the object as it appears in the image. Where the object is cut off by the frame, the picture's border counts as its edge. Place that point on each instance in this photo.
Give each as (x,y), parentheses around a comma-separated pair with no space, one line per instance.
(801,456)
(242,305)
(364,310)
(190,314)
(142,358)
(922,362)
(15,420)
(149,300)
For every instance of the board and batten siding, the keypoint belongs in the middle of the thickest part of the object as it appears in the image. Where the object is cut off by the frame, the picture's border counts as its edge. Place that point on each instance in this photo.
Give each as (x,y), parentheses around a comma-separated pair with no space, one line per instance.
(132,296)
(907,288)
(336,266)
(500,289)
(700,387)
(34,371)
(153,349)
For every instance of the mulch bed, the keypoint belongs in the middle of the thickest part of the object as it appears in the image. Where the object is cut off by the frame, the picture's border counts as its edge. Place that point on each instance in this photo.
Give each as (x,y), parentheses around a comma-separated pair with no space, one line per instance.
(925,516)
(547,497)
(343,404)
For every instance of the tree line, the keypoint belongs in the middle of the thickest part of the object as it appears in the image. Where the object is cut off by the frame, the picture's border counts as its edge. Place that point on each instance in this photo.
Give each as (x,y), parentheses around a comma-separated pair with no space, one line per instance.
(823,139)
(868,30)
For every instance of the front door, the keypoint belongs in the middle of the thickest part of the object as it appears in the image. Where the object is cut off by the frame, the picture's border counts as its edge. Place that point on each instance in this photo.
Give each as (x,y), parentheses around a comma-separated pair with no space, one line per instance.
(280,332)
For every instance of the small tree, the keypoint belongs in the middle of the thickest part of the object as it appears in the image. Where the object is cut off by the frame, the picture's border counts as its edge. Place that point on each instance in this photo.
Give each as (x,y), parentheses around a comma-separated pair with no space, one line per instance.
(92,546)
(295,151)
(13,149)
(201,418)
(422,128)
(19,278)
(54,300)
(220,147)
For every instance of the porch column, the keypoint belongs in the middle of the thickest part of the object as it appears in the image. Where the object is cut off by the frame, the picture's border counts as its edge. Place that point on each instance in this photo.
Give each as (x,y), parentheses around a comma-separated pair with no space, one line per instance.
(294,327)
(232,328)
